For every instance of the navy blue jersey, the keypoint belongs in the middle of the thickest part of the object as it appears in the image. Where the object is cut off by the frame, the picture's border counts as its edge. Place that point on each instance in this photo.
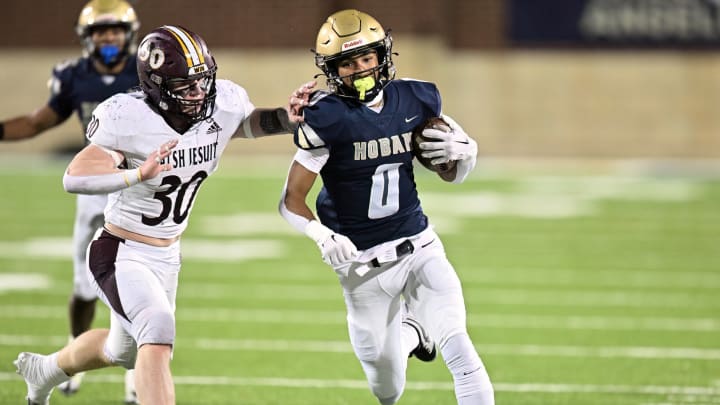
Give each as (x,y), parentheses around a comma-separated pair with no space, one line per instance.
(77,86)
(369,191)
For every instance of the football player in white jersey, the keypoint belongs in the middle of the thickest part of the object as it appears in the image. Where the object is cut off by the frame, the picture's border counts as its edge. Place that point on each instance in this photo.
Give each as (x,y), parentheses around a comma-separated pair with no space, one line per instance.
(401,292)
(150,151)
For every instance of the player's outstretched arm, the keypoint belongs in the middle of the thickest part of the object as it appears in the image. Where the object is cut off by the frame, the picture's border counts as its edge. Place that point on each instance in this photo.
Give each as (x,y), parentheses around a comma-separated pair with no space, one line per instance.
(276,121)
(30,125)
(94,170)
(265,122)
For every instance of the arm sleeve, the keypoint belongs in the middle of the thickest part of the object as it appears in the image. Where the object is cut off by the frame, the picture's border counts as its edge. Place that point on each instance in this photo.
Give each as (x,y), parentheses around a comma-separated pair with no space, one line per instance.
(313,160)
(101,184)
(298,222)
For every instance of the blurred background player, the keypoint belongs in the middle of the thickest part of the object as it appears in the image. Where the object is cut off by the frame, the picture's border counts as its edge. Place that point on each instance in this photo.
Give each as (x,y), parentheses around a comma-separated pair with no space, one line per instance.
(401,292)
(107,30)
(150,150)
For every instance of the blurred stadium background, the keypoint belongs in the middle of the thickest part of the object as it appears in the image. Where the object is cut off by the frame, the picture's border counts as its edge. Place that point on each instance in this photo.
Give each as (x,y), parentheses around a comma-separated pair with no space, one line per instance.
(587,239)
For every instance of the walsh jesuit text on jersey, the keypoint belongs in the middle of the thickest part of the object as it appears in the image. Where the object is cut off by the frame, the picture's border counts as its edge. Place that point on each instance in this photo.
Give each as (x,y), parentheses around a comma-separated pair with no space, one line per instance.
(192,156)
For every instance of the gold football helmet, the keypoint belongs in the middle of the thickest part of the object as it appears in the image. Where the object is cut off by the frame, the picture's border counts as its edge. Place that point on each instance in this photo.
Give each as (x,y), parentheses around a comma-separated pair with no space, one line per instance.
(107,13)
(348,33)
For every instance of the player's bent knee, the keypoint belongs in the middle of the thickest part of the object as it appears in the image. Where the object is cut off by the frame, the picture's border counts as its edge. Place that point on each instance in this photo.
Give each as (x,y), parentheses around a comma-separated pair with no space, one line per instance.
(369,354)
(390,400)
(365,346)
(156,327)
(123,357)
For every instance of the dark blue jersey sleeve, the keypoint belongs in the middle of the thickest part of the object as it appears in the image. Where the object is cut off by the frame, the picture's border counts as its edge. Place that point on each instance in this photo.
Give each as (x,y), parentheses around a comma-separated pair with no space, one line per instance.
(61,89)
(323,122)
(425,93)
(76,86)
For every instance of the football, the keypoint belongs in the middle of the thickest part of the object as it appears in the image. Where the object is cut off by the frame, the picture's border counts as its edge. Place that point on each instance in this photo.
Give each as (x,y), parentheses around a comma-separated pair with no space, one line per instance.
(418,137)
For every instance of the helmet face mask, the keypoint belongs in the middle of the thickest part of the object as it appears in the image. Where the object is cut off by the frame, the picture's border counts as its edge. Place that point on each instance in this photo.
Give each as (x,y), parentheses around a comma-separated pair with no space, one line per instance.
(174,66)
(347,34)
(103,14)
(180,95)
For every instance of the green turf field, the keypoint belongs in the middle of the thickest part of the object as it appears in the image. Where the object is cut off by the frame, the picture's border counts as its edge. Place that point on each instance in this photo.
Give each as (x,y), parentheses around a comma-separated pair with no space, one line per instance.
(600,288)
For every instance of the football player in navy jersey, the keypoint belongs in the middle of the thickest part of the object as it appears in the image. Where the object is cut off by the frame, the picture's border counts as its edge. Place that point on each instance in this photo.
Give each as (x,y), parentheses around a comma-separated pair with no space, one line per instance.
(107,30)
(401,292)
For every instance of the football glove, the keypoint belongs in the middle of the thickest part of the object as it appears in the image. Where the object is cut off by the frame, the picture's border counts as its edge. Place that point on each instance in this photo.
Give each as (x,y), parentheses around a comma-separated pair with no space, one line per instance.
(334,247)
(454,144)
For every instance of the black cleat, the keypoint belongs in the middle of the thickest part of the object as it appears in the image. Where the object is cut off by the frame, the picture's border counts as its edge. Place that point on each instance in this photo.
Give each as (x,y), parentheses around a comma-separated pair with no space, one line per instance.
(425,350)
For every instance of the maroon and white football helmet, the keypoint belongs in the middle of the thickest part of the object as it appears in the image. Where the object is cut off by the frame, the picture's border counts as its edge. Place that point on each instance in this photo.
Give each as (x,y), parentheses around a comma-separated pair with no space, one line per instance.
(169,57)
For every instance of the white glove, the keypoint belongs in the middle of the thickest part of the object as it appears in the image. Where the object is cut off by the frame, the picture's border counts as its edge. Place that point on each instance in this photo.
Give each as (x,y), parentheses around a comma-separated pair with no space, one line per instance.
(335,248)
(452,145)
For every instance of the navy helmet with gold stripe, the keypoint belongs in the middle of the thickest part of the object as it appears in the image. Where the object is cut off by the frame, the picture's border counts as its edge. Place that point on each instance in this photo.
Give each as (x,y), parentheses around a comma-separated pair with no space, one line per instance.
(170,57)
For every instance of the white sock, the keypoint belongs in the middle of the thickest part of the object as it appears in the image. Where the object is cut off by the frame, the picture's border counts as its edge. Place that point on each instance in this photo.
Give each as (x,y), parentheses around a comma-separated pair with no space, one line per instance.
(52,372)
(472,383)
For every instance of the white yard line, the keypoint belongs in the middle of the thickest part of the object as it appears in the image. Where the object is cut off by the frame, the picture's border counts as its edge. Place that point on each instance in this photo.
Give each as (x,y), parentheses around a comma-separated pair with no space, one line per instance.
(521,296)
(492,349)
(328,292)
(320,317)
(23,282)
(208,250)
(336,346)
(413,385)
(236,250)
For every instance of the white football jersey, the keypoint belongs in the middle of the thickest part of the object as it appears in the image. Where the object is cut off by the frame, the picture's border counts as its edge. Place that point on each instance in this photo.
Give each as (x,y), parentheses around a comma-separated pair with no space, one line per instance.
(160,207)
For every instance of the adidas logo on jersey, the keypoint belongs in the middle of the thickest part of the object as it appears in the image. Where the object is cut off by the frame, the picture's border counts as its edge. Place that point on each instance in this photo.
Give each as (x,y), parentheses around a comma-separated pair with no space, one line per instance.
(214,127)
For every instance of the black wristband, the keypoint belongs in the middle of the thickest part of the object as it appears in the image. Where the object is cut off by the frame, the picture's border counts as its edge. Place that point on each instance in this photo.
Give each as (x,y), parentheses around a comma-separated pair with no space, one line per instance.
(276,122)
(2,130)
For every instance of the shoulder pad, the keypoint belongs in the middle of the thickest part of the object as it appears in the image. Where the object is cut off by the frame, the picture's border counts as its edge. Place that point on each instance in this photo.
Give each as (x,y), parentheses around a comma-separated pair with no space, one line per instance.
(115,117)
(317,96)
(65,65)
(426,92)
(232,98)
(62,74)
(323,119)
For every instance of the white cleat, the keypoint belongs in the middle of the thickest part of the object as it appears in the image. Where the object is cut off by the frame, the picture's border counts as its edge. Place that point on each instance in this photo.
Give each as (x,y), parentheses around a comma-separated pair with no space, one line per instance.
(130,395)
(72,385)
(30,367)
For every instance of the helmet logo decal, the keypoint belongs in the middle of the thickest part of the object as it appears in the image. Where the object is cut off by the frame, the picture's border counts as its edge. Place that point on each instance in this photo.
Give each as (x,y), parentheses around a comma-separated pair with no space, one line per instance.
(353,44)
(144,52)
(197,69)
(157,58)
